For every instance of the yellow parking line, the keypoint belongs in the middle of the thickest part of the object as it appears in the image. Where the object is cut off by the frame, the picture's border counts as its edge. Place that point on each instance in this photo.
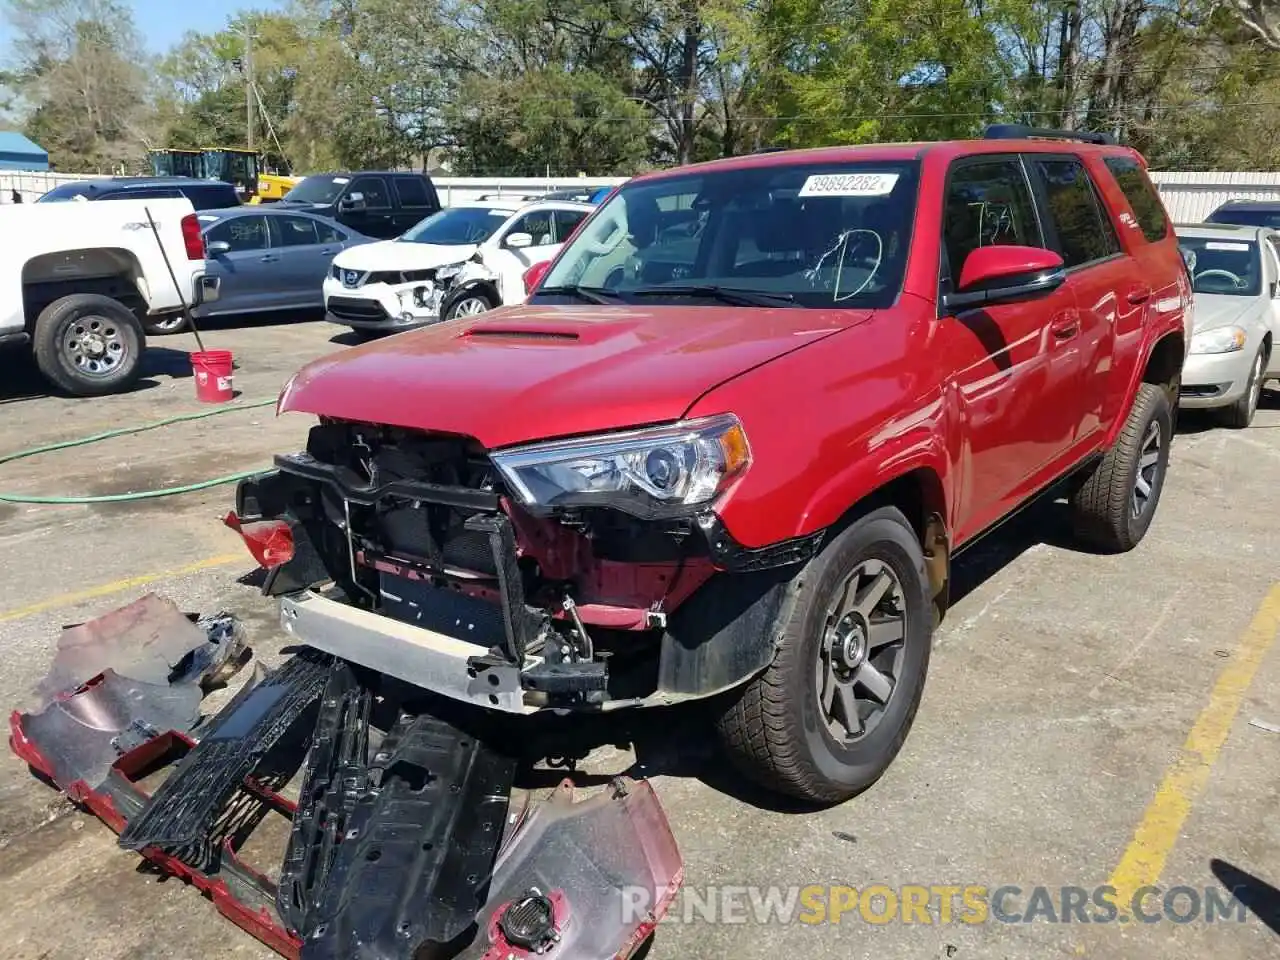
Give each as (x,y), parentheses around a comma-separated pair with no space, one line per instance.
(79,596)
(1144,859)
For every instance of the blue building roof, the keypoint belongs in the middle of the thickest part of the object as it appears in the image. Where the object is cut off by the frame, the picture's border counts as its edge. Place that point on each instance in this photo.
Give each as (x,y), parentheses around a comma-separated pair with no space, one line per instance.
(19,153)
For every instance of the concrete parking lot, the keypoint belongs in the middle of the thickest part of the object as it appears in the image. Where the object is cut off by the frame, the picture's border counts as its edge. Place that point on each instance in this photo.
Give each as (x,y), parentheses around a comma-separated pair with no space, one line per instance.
(1087,721)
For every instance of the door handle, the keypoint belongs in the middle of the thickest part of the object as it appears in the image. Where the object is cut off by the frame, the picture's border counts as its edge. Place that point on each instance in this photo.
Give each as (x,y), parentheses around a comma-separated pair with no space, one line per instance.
(1139,295)
(1065,329)
(268,258)
(326,250)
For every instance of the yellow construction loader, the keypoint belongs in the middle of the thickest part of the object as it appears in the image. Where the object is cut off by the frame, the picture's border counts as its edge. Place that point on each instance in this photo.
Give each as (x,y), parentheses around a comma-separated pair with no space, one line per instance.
(239,167)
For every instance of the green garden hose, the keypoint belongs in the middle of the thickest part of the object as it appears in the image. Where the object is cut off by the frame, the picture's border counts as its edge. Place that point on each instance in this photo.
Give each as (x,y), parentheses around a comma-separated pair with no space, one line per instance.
(127,431)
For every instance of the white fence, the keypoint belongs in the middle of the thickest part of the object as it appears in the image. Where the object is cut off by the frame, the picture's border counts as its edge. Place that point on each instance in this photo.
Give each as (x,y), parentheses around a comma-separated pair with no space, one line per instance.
(1189,197)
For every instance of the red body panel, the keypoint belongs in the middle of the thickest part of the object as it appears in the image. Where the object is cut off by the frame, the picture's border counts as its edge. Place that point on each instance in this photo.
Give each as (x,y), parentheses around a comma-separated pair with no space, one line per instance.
(530,373)
(993,405)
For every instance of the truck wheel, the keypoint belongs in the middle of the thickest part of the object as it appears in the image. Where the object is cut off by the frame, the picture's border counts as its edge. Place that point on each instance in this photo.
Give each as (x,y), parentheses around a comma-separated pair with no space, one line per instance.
(1114,506)
(828,716)
(89,345)
(470,304)
(162,326)
(1240,414)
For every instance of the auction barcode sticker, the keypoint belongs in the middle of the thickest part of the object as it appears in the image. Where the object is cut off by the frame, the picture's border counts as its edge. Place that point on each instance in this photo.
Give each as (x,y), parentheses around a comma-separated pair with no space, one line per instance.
(1223,245)
(849,185)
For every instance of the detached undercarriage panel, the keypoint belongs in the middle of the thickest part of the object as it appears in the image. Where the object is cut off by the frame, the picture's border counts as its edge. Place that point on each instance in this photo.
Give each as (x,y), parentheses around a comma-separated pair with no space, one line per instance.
(400,845)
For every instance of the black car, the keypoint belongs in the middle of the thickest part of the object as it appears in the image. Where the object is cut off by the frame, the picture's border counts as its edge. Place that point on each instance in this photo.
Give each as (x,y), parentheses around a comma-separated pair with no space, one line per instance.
(1248,213)
(203,194)
(372,202)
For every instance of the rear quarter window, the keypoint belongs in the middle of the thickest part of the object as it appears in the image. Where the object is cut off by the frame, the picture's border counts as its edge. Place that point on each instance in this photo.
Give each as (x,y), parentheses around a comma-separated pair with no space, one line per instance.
(1141,193)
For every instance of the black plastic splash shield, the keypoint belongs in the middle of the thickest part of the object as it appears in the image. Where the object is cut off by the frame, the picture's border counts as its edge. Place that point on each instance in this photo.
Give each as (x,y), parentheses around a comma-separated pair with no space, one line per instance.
(334,780)
(411,872)
(182,816)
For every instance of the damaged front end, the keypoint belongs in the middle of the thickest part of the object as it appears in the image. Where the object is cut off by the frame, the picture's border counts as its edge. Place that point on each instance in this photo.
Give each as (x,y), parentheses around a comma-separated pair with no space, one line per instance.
(580,574)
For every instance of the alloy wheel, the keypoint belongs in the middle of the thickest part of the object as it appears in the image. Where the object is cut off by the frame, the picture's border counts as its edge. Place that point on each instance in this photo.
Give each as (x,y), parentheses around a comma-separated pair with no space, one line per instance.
(1144,481)
(470,307)
(860,656)
(1255,386)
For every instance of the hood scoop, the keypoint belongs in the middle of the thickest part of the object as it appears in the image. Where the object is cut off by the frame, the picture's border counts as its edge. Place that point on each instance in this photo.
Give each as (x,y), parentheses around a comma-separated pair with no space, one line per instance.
(515,331)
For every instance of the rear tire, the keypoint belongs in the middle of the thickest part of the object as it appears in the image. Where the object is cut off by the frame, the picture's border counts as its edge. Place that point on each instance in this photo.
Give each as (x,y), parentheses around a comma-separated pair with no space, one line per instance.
(1114,507)
(88,345)
(1239,415)
(793,728)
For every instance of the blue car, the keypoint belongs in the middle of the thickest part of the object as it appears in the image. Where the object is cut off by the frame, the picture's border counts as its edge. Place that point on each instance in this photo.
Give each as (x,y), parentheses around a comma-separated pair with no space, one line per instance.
(268,259)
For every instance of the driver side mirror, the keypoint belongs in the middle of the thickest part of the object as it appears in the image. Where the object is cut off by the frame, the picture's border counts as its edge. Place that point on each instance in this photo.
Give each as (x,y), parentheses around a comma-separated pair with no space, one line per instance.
(1005,274)
(533,276)
(518,240)
(217,247)
(352,202)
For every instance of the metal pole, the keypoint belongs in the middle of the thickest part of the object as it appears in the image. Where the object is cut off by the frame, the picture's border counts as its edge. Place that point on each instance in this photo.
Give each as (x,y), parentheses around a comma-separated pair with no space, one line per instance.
(248,81)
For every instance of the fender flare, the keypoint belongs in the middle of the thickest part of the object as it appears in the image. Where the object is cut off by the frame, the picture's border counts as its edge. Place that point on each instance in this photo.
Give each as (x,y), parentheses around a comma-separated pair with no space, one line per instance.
(1136,378)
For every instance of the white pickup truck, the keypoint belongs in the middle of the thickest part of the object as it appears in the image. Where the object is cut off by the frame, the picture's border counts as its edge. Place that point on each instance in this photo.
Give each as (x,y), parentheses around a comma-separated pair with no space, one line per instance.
(81,284)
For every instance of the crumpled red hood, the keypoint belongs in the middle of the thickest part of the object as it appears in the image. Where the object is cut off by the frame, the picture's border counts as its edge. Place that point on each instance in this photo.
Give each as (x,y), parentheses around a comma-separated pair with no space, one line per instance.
(528,373)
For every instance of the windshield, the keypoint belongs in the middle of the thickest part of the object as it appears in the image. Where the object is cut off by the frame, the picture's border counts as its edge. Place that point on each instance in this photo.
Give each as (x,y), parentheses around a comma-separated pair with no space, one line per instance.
(1230,267)
(317,190)
(812,235)
(457,225)
(66,191)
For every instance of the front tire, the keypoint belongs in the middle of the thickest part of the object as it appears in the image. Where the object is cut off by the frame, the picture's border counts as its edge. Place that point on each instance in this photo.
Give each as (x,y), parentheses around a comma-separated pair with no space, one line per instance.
(1239,415)
(165,326)
(829,715)
(89,345)
(1114,507)
(470,304)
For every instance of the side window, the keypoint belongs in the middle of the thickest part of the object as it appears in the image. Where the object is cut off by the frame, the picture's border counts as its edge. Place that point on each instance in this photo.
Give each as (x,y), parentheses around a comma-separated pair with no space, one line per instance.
(242,233)
(537,225)
(1084,229)
(294,231)
(412,192)
(326,233)
(988,204)
(1142,196)
(566,221)
(374,190)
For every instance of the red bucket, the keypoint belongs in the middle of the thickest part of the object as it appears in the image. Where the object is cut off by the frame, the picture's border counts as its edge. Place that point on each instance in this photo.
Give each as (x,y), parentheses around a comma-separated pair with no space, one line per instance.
(213,375)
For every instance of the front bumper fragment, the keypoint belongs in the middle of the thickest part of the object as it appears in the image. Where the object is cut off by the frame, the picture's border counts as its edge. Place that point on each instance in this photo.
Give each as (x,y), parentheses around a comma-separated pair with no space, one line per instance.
(425,658)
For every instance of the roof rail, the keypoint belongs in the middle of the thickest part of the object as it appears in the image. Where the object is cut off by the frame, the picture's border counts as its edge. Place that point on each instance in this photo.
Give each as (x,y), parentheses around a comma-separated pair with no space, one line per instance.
(1018,131)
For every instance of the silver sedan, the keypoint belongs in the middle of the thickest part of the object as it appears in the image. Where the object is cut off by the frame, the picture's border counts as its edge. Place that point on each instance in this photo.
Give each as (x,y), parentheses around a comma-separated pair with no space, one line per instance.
(268,259)
(1235,274)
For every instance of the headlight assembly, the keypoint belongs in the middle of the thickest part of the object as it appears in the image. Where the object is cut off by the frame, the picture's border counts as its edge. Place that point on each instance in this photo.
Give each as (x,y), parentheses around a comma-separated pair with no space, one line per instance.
(1222,340)
(448,272)
(648,472)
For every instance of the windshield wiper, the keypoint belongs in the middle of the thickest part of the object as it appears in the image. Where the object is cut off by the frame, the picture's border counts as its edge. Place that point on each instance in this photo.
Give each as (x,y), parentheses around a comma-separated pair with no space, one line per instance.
(589,294)
(734,295)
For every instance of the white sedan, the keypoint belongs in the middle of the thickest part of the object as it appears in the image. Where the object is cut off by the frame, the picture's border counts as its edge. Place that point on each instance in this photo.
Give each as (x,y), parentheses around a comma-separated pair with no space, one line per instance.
(398,284)
(1235,273)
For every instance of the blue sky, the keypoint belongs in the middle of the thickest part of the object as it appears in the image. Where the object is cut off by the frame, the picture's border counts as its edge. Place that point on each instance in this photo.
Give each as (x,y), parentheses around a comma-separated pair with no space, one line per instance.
(163,22)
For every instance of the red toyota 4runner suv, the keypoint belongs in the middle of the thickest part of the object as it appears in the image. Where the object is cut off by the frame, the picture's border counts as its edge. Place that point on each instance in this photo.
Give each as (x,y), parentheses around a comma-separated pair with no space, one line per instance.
(731,444)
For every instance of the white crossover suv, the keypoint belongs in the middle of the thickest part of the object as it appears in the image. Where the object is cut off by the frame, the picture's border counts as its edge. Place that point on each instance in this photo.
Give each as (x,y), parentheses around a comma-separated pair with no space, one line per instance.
(398,284)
